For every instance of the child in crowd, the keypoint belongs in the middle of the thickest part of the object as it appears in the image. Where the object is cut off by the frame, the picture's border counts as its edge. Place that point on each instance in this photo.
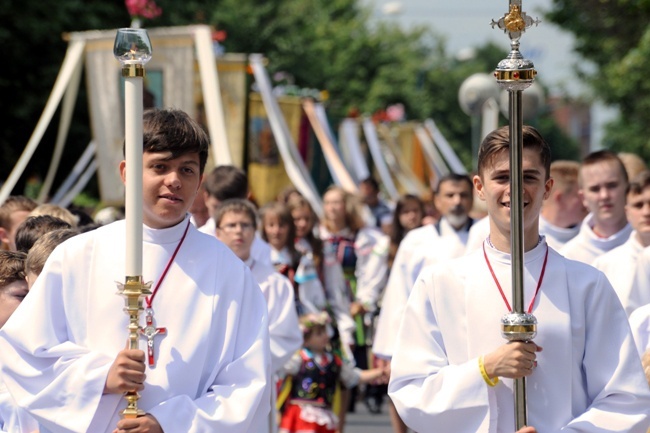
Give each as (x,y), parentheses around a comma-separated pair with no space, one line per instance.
(34,227)
(280,233)
(13,289)
(236,222)
(41,250)
(320,276)
(309,397)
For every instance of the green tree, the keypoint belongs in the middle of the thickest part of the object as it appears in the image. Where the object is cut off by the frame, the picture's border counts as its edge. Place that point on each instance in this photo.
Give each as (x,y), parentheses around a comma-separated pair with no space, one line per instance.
(614,35)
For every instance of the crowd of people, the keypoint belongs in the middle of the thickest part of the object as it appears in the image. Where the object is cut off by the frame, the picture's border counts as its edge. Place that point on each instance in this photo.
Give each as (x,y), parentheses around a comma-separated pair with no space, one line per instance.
(274,320)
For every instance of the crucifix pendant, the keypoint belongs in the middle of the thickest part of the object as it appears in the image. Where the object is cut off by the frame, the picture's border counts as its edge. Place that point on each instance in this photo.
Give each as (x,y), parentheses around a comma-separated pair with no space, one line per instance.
(150,331)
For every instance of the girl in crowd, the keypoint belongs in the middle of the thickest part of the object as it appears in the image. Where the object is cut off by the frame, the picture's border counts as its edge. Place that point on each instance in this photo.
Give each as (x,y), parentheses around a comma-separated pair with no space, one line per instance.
(280,233)
(310,396)
(362,252)
(320,277)
(408,215)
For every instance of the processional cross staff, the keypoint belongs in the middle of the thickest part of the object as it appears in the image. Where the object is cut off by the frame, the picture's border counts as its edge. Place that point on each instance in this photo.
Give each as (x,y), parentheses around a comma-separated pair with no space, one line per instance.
(515,74)
(133,49)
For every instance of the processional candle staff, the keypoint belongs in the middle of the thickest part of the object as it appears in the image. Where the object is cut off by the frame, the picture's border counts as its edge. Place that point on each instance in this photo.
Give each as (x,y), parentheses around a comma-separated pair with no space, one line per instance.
(515,74)
(133,49)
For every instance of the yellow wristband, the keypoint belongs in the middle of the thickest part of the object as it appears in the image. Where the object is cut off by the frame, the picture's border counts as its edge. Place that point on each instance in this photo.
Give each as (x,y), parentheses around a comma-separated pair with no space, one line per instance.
(486,378)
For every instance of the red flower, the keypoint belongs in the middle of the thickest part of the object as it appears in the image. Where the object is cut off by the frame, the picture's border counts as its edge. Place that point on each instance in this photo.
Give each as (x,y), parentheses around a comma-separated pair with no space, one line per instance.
(143,8)
(219,35)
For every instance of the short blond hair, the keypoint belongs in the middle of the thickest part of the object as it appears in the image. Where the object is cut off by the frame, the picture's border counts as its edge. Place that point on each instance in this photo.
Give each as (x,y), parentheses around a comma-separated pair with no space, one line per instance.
(42,248)
(55,211)
(565,174)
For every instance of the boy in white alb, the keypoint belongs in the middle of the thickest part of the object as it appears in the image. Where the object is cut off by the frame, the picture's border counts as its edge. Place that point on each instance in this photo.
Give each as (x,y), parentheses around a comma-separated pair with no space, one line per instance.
(620,264)
(236,222)
(603,186)
(62,352)
(451,368)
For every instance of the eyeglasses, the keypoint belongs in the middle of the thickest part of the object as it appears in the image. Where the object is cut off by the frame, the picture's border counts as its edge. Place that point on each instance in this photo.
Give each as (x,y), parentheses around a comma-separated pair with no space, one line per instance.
(232,227)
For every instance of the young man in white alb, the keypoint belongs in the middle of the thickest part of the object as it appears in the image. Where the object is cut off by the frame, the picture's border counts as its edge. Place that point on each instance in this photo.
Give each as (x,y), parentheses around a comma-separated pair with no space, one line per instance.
(208,365)
(453,371)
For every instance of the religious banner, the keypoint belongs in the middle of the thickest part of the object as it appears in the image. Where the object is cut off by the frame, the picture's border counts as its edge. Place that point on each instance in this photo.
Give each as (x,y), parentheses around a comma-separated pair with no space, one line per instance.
(169,83)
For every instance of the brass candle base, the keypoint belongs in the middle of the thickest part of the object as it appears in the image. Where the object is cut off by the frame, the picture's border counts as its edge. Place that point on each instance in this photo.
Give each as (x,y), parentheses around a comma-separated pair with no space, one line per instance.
(134,291)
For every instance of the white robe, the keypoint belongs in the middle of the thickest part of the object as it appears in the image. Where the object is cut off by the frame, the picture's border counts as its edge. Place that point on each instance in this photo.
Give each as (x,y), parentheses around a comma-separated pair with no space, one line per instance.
(212,367)
(479,231)
(640,318)
(556,236)
(284,330)
(420,247)
(586,246)
(588,379)
(12,418)
(619,265)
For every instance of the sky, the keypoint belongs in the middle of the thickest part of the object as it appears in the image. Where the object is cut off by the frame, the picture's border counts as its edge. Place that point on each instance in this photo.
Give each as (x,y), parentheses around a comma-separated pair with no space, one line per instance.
(466,23)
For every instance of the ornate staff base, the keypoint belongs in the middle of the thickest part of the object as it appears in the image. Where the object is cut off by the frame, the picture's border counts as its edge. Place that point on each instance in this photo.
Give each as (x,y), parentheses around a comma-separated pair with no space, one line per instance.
(134,291)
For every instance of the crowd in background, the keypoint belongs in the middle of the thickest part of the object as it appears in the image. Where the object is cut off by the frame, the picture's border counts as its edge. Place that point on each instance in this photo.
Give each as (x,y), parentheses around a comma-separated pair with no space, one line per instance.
(336,286)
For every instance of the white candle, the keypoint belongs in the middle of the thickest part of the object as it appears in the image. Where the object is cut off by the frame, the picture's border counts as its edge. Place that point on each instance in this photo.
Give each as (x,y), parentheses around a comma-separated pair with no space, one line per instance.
(133,152)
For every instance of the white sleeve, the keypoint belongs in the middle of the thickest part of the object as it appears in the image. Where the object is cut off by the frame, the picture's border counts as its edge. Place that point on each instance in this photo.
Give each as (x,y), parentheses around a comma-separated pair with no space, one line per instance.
(372,267)
(284,330)
(336,291)
(60,383)
(424,387)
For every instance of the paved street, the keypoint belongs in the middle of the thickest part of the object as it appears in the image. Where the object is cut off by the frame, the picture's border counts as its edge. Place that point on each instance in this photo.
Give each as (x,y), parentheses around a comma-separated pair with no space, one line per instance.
(363,421)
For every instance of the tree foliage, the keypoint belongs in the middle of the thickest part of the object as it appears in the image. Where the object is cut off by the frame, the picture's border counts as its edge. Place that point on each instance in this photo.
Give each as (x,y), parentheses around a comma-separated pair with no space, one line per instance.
(614,35)
(333,46)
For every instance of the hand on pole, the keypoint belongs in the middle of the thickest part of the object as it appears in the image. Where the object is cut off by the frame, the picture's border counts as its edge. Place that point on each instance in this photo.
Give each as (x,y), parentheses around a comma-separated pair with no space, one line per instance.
(513,360)
(143,424)
(527,430)
(127,373)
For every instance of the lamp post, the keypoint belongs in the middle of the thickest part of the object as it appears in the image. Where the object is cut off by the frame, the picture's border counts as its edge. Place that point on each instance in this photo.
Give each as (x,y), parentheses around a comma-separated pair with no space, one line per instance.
(473,94)
(133,50)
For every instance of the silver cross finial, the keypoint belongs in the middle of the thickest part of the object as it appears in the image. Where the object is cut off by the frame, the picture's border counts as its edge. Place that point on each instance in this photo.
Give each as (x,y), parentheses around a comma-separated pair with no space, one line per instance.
(515,22)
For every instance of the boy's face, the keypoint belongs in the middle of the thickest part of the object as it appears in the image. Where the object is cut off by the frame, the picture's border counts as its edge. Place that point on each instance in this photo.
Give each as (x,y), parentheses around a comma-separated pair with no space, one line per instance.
(603,191)
(637,210)
(236,230)
(493,186)
(169,187)
(11,296)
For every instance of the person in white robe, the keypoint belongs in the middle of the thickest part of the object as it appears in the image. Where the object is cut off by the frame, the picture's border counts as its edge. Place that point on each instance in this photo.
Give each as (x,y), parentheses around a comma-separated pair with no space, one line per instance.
(620,264)
(452,369)
(640,318)
(62,352)
(563,212)
(13,289)
(603,185)
(236,225)
(236,222)
(428,244)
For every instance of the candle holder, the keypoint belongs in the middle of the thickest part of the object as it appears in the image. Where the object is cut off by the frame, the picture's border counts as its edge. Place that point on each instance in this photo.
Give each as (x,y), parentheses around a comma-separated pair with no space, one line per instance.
(134,290)
(133,50)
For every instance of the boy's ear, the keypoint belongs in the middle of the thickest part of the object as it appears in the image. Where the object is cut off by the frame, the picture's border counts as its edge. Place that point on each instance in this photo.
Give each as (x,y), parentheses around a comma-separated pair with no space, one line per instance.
(478,185)
(4,236)
(123,171)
